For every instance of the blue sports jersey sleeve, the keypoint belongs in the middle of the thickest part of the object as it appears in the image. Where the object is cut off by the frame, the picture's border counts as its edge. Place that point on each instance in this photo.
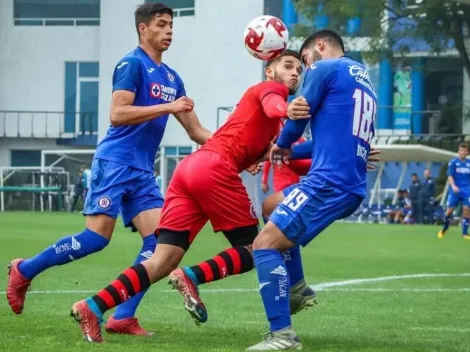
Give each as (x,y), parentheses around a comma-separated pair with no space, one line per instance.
(316,83)
(127,74)
(292,131)
(181,90)
(302,150)
(451,169)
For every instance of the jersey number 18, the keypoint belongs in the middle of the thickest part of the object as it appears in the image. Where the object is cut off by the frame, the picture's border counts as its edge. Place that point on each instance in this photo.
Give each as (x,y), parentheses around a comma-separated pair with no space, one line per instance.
(364,115)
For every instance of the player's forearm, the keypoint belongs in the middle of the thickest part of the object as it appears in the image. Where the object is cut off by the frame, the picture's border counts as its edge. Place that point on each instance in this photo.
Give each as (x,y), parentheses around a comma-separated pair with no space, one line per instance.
(125,115)
(291,132)
(266,168)
(302,150)
(451,181)
(275,106)
(200,135)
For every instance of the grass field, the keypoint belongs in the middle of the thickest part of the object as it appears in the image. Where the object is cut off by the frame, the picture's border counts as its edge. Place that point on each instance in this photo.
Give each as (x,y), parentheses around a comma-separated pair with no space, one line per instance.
(429,313)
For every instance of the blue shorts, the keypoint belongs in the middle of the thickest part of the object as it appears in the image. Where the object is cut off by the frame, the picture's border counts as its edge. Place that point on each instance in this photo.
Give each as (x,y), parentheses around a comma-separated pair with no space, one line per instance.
(307,211)
(462,197)
(120,188)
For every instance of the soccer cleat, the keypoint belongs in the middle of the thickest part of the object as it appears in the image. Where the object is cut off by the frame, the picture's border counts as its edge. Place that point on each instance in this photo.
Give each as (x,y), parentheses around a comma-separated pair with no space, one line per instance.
(90,324)
(441,234)
(285,339)
(466,237)
(128,326)
(17,287)
(192,302)
(301,297)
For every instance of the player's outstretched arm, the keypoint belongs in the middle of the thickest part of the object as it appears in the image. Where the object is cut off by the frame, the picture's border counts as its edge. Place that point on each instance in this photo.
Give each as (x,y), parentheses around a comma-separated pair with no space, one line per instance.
(291,132)
(302,150)
(123,113)
(193,127)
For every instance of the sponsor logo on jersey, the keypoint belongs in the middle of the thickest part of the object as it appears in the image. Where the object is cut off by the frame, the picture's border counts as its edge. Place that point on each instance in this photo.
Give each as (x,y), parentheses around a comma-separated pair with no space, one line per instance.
(159,91)
(361,75)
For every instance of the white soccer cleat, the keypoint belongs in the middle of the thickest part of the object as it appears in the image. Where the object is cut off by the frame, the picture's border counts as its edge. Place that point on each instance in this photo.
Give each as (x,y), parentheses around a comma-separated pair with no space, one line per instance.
(282,340)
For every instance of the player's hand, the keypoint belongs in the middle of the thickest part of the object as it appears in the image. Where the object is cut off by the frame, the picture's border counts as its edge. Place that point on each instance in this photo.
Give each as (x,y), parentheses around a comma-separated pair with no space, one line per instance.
(255,168)
(278,156)
(455,189)
(265,187)
(183,104)
(298,109)
(374,157)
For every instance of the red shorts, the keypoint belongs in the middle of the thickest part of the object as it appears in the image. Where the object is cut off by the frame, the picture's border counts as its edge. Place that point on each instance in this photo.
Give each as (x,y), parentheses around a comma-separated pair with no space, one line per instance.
(205,187)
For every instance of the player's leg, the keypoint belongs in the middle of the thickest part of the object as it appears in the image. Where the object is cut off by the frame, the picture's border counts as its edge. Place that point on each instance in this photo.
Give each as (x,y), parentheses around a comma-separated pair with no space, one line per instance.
(299,219)
(301,295)
(101,210)
(465,219)
(182,220)
(141,211)
(452,201)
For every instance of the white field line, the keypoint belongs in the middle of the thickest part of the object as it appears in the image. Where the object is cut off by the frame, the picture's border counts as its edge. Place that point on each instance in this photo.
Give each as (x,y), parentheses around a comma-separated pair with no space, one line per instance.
(343,285)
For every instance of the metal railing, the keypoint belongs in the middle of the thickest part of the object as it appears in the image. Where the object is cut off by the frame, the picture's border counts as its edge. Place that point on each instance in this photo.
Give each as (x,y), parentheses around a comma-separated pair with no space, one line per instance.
(45,124)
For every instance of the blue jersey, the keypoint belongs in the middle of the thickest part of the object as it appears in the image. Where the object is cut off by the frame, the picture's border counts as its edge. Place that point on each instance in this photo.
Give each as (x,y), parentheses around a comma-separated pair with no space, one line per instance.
(460,171)
(343,106)
(137,145)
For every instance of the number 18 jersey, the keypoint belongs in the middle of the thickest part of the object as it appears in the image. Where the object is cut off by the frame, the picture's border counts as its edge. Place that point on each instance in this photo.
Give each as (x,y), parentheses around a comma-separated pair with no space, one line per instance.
(343,107)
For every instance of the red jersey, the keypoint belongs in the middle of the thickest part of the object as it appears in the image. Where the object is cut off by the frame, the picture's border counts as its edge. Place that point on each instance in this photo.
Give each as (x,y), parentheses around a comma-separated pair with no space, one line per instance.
(252,126)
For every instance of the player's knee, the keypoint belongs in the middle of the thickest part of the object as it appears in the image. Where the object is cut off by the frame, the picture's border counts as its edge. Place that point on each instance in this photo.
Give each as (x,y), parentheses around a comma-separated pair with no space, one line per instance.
(179,239)
(101,224)
(242,236)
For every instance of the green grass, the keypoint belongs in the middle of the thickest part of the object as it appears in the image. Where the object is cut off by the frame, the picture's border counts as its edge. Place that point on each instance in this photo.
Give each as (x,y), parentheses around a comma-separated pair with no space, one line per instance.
(408,315)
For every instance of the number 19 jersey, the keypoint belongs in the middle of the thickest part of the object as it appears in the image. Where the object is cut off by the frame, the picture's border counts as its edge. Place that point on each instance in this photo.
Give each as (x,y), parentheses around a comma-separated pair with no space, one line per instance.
(343,108)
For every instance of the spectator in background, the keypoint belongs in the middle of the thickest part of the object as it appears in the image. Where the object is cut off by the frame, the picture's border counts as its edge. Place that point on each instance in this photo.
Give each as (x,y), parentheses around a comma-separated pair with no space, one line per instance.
(158,179)
(402,208)
(86,180)
(78,191)
(426,198)
(415,189)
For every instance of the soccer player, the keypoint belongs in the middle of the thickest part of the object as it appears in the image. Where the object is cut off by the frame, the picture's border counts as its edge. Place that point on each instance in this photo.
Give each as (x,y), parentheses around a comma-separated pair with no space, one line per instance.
(340,102)
(458,173)
(217,194)
(145,92)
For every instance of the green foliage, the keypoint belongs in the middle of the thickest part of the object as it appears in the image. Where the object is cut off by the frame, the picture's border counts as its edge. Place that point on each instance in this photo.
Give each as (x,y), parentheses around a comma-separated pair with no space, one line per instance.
(434,22)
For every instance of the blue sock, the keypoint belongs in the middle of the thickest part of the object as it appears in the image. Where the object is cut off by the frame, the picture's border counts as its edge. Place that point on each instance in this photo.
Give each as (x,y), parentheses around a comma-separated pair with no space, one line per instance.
(447,218)
(293,262)
(464,226)
(128,308)
(62,252)
(274,287)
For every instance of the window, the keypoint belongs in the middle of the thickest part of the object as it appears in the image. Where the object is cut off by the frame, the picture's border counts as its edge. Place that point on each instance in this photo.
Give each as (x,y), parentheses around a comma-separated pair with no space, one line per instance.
(180,7)
(56,12)
(273,8)
(81,97)
(25,158)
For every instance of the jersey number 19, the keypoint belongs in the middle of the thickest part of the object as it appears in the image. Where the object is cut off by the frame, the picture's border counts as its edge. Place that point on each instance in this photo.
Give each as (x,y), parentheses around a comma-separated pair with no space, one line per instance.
(364,115)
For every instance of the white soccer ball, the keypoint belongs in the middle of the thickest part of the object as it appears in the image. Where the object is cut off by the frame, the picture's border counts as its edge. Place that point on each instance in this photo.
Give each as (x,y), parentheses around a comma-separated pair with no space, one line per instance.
(266,37)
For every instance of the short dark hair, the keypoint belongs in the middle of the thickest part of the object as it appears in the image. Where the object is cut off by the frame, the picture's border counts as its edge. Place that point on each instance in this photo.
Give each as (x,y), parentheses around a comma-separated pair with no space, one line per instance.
(463,145)
(414,174)
(146,12)
(287,52)
(325,34)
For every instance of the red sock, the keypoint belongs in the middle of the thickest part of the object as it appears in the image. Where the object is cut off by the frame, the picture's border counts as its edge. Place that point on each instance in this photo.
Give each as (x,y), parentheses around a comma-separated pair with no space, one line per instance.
(132,281)
(233,261)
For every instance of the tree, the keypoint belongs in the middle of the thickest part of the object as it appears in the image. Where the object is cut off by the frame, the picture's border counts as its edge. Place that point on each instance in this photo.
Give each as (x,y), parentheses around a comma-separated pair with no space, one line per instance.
(433,23)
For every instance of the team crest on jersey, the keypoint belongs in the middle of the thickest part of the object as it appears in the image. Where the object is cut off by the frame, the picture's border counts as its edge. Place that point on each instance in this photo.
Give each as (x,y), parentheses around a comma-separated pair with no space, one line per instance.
(171,77)
(104,202)
(155,90)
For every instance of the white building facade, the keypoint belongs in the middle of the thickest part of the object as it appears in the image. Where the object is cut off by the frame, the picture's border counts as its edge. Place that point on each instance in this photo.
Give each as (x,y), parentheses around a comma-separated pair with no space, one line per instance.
(56,64)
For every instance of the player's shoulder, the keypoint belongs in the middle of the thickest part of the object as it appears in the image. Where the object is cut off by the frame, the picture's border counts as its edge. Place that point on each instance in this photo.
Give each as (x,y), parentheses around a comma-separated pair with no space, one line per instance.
(131,59)
(322,67)
(273,86)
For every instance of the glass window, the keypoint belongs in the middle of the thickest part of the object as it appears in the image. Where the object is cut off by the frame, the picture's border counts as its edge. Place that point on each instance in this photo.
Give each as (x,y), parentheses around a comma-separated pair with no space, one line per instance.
(273,8)
(180,7)
(56,12)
